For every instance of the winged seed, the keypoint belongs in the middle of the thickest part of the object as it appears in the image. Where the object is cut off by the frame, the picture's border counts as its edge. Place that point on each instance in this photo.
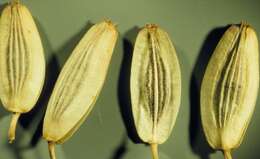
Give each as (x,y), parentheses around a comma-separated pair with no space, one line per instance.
(79,84)
(155,86)
(22,62)
(230,87)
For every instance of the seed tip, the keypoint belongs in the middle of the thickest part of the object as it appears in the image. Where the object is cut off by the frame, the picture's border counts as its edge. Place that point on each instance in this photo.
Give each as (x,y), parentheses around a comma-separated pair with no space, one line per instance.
(109,22)
(244,23)
(151,26)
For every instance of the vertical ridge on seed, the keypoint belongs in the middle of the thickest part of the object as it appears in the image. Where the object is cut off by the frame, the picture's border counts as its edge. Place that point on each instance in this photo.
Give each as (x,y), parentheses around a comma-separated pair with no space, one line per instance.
(230,87)
(155,86)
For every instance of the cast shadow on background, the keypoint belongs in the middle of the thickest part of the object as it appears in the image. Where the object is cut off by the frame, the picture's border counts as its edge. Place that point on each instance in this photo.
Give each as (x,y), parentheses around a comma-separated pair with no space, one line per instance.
(198,140)
(36,115)
(123,92)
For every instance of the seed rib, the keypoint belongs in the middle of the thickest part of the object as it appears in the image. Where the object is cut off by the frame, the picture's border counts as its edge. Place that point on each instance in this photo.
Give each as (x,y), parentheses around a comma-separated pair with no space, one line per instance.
(229,88)
(155,86)
(22,62)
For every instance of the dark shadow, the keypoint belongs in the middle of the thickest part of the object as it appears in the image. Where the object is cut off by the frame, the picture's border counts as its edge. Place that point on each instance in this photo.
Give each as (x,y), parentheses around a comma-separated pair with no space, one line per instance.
(16,150)
(64,52)
(2,6)
(121,149)
(52,71)
(124,85)
(198,140)
(36,115)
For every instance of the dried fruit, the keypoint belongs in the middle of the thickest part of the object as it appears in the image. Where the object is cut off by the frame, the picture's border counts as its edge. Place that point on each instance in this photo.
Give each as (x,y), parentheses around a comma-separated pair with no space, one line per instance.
(21,61)
(229,88)
(79,84)
(155,86)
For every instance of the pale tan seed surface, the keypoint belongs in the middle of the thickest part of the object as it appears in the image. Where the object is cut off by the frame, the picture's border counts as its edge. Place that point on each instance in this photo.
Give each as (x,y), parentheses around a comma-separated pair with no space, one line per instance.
(22,64)
(230,87)
(79,83)
(155,85)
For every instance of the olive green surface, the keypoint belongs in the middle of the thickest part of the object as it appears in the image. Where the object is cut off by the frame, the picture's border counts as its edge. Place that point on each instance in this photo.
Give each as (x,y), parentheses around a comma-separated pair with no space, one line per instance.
(195,26)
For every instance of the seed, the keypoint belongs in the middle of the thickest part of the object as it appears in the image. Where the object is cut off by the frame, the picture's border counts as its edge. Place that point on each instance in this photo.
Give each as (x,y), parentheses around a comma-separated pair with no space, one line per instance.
(229,88)
(155,86)
(22,62)
(79,84)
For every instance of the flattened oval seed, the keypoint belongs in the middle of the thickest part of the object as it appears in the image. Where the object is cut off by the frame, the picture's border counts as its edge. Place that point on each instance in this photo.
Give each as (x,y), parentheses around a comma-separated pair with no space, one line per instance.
(22,62)
(155,86)
(79,84)
(230,87)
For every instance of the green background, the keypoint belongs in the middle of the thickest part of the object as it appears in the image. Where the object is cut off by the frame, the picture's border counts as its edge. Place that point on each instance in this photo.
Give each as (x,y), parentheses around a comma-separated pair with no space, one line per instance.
(194,26)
